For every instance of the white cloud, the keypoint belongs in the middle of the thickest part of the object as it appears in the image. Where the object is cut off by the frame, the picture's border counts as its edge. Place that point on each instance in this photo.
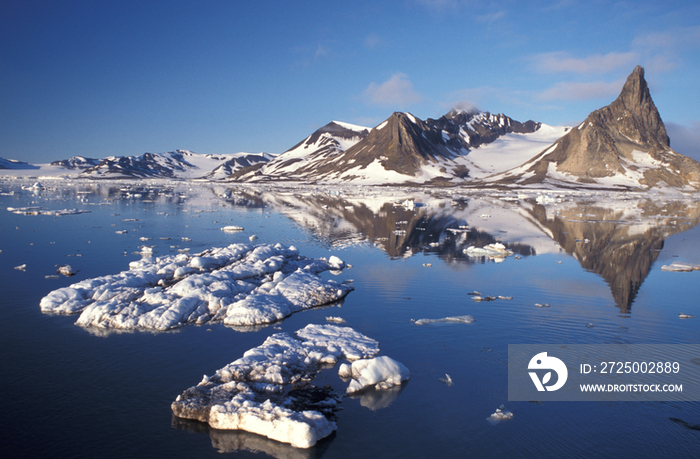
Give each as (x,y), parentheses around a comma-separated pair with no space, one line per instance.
(397,91)
(563,62)
(582,91)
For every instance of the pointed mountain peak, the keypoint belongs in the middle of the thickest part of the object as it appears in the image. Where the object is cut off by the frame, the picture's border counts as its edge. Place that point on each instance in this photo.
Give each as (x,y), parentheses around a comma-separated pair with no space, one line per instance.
(635,93)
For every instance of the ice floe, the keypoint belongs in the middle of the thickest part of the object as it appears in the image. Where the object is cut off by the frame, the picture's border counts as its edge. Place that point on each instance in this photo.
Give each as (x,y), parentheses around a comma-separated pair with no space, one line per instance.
(679,266)
(380,372)
(37,210)
(454,319)
(238,285)
(253,393)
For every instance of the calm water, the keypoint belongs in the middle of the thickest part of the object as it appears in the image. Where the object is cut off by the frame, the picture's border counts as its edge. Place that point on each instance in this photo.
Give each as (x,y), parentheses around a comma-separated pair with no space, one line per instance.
(69,392)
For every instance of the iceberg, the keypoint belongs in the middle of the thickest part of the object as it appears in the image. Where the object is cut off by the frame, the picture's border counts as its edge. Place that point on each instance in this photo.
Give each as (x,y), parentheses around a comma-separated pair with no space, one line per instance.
(238,285)
(252,393)
(495,250)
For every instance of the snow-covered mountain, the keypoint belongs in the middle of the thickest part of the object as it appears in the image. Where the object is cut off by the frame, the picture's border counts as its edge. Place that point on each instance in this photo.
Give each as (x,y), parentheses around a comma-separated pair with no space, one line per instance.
(182,164)
(402,149)
(621,146)
(77,162)
(15,165)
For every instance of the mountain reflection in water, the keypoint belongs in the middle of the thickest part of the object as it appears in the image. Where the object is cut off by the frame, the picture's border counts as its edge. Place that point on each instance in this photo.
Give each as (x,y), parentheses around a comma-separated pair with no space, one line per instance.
(616,237)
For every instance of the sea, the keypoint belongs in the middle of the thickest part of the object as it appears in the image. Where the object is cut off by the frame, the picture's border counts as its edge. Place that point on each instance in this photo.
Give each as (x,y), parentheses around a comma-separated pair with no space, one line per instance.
(578,268)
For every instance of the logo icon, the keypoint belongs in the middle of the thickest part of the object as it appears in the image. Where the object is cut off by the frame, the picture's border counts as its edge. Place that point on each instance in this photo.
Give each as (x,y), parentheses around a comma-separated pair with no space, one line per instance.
(543,362)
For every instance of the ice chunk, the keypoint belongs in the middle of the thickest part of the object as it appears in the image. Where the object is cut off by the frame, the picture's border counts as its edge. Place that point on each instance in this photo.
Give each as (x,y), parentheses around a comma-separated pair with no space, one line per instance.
(446,380)
(495,250)
(232,228)
(238,285)
(252,394)
(454,319)
(501,414)
(380,372)
(21,267)
(66,270)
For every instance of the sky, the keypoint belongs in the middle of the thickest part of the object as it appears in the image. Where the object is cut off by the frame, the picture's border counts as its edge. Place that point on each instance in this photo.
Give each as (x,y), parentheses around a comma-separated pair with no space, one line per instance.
(101,78)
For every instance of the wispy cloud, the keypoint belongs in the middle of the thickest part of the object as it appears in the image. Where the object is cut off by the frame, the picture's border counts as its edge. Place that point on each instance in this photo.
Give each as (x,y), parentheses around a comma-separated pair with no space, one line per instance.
(397,91)
(491,17)
(563,62)
(373,40)
(664,50)
(581,91)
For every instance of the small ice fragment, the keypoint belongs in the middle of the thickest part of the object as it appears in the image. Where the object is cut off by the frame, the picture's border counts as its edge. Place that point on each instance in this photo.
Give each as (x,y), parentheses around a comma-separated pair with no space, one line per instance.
(685,316)
(454,319)
(446,380)
(252,238)
(380,372)
(501,414)
(232,228)
(427,265)
(21,267)
(337,320)
(66,270)
(589,325)
(542,305)
(679,266)
(501,297)
(121,231)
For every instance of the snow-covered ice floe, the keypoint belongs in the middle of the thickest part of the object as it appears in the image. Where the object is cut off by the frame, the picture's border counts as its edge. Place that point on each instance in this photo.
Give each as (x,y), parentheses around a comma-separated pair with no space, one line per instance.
(679,266)
(238,285)
(253,393)
(380,372)
(454,319)
(36,210)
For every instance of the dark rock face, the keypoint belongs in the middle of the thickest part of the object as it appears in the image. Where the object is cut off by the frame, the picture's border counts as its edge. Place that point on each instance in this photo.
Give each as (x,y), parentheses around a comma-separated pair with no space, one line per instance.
(403,144)
(77,162)
(609,141)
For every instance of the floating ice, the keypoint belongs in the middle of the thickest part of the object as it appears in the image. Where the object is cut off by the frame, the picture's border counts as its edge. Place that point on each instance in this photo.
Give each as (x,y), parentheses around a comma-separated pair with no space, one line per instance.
(37,210)
(232,228)
(239,285)
(380,372)
(66,270)
(21,267)
(455,319)
(679,266)
(501,414)
(685,316)
(495,250)
(337,320)
(252,393)
(446,380)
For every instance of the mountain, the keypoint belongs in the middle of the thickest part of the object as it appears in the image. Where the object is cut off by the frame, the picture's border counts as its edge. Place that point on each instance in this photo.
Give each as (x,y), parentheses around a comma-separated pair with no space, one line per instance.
(182,164)
(76,162)
(402,149)
(303,159)
(623,145)
(14,164)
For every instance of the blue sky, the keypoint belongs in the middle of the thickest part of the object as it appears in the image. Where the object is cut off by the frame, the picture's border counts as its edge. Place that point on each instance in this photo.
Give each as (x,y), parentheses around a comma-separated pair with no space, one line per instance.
(100,78)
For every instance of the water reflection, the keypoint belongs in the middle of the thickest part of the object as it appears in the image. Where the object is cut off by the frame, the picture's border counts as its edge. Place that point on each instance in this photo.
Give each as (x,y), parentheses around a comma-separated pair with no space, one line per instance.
(230,441)
(616,237)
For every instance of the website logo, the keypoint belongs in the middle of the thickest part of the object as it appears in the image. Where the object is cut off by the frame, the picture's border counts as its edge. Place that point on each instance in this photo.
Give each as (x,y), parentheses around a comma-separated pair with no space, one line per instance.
(543,362)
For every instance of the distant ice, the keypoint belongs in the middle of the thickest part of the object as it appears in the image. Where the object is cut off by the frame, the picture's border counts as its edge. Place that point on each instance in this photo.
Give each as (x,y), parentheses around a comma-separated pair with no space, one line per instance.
(38,210)
(495,250)
(252,393)
(239,285)
(679,266)
(455,319)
